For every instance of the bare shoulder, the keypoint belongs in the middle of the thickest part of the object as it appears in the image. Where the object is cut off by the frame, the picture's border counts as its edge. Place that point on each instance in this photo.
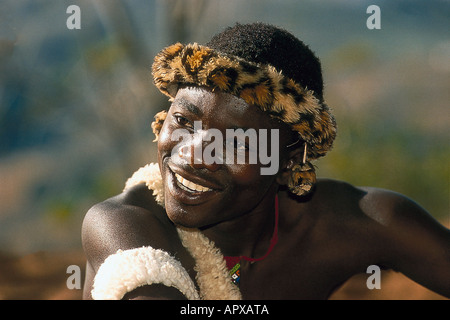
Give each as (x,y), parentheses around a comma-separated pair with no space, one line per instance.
(393,209)
(380,216)
(384,206)
(407,223)
(129,220)
(418,243)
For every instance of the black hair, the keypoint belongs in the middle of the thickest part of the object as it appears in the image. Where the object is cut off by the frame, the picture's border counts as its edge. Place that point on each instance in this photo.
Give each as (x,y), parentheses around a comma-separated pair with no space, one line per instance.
(268,44)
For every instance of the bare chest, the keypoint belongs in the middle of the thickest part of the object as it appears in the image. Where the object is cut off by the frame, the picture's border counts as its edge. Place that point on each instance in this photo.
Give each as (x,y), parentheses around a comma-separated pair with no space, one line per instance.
(310,270)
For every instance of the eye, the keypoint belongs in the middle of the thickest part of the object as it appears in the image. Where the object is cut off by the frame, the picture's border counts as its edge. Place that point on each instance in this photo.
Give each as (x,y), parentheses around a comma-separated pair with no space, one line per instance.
(182,121)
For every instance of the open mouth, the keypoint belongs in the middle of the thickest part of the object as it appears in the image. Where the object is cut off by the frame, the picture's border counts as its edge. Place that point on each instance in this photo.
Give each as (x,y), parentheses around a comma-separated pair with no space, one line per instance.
(183,189)
(190,186)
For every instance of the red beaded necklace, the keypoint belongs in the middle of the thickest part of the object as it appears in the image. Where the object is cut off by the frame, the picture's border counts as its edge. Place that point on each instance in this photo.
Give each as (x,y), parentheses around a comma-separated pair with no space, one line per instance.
(233,263)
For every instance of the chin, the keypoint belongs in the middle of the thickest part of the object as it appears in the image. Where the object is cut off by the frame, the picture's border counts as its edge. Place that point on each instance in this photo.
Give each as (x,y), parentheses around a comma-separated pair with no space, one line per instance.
(190,208)
(188,217)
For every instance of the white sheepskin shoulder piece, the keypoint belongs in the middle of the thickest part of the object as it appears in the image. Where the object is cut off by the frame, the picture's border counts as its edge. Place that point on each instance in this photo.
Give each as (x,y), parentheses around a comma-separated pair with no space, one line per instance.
(127,270)
(151,176)
(212,274)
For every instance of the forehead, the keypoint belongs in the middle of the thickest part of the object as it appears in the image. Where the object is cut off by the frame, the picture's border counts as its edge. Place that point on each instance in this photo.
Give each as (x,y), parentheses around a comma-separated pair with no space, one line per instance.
(220,106)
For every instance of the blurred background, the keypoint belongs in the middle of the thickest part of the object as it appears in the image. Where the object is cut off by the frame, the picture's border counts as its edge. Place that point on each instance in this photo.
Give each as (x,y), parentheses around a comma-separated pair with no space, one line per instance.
(76,108)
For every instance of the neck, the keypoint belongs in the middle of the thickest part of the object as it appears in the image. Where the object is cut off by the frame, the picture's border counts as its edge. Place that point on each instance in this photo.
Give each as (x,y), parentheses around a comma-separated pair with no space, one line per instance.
(248,234)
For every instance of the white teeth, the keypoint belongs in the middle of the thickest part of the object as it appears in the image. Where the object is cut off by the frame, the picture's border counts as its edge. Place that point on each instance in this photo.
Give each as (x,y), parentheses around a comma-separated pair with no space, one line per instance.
(191,185)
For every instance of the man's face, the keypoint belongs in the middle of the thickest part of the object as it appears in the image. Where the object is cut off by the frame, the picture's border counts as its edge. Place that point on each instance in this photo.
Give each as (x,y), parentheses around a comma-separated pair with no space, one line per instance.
(201,193)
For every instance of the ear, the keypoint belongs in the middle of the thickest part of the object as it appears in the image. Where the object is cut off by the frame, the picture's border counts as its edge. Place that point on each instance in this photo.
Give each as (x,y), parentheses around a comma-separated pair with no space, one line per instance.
(294,157)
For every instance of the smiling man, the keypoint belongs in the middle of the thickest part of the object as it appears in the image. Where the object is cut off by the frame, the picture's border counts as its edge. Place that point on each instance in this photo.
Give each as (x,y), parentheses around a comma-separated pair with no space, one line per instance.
(196,228)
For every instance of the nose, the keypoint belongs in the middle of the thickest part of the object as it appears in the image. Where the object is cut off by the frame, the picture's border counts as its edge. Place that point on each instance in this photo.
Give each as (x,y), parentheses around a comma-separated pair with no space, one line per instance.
(194,154)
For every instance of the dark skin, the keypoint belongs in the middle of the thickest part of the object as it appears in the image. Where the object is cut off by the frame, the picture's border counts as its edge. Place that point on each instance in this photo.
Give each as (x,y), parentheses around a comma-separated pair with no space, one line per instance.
(324,239)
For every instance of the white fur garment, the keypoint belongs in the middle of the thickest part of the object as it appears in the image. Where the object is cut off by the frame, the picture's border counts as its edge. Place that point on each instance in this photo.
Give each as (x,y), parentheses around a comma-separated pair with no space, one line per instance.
(127,270)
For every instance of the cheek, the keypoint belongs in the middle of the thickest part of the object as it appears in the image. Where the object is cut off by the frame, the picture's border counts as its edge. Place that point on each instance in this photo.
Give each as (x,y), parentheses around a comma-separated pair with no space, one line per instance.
(249,176)
(164,135)
(165,143)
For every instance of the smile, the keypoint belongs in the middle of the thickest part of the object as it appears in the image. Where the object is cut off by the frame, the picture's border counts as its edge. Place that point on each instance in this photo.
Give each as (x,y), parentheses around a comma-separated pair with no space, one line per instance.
(190,186)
